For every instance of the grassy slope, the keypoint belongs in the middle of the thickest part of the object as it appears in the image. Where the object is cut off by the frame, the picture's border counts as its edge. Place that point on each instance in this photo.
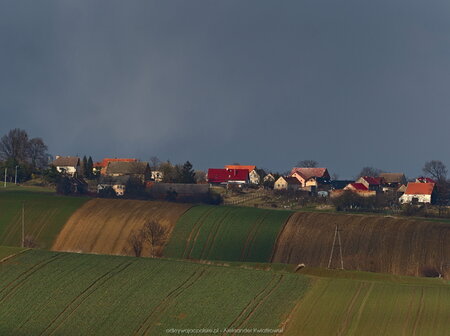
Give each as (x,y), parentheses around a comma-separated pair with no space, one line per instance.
(6,251)
(226,233)
(45,215)
(73,294)
(363,307)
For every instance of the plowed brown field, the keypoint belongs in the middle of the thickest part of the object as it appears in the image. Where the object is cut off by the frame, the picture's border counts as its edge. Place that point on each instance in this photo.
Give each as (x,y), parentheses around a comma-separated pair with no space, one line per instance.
(369,243)
(104,226)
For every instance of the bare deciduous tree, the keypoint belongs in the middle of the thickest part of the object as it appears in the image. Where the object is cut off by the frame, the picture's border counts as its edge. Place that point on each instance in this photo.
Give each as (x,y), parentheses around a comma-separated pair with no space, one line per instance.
(37,153)
(307,164)
(436,169)
(155,162)
(155,235)
(369,171)
(136,240)
(14,145)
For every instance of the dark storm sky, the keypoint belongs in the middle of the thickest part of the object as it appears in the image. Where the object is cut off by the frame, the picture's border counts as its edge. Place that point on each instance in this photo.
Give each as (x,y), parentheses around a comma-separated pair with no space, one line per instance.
(347,83)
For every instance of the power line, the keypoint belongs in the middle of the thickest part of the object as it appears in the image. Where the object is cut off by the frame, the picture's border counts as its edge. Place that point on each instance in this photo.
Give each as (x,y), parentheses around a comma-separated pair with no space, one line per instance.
(337,235)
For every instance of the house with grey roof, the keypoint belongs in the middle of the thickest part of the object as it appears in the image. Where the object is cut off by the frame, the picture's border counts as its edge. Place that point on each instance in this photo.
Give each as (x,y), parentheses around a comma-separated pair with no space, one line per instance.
(69,165)
(136,169)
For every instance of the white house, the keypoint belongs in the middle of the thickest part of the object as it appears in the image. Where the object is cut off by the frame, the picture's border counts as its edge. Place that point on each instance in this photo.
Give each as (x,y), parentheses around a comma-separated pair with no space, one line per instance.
(157,175)
(69,165)
(418,193)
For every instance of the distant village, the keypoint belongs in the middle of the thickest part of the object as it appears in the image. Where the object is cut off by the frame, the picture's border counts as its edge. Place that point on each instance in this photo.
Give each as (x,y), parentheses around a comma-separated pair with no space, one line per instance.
(115,173)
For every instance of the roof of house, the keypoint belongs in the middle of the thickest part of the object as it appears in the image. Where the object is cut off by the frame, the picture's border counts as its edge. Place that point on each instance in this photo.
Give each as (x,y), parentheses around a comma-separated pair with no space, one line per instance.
(104,162)
(220,175)
(372,180)
(249,168)
(425,180)
(307,173)
(402,188)
(66,161)
(393,177)
(417,188)
(121,167)
(358,186)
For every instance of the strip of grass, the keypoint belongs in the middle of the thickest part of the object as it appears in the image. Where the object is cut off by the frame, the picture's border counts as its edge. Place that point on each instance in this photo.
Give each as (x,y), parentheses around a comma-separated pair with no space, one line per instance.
(44,215)
(226,233)
(6,251)
(72,294)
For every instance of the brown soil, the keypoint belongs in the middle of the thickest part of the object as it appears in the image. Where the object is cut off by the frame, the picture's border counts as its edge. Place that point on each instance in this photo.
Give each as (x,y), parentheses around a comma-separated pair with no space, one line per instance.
(369,243)
(104,226)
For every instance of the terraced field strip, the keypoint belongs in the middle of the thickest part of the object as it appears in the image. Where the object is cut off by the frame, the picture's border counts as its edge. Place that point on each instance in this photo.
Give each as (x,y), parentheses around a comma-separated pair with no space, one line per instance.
(105,225)
(48,293)
(226,233)
(44,216)
(352,307)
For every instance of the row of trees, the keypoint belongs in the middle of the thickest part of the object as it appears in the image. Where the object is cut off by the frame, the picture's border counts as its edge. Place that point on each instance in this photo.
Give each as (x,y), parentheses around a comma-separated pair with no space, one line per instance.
(19,152)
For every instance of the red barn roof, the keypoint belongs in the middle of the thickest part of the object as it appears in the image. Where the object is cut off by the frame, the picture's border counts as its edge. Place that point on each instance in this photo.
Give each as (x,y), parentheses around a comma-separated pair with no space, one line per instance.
(373,180)
(417,188)
(358,186)
(222,175)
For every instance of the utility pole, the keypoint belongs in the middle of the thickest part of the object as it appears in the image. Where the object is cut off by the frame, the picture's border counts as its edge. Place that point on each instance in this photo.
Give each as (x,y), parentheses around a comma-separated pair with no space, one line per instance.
(338,236)
(23,224)
(15,178)
(6,170)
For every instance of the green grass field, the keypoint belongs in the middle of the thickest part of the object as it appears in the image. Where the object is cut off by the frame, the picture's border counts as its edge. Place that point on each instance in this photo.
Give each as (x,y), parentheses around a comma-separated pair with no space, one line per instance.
(226,233)
(50,293)
(44,293)
(45,214)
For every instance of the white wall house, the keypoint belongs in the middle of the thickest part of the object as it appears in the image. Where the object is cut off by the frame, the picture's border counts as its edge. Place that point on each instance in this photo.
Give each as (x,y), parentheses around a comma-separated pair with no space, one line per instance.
(69,165)
(418,193)
(254,177)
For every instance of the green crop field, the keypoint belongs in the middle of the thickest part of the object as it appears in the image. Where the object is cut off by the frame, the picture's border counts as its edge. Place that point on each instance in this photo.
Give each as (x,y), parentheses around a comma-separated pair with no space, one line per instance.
(354,307)
(44,293)
(51,293)
(226,233)
(44,216)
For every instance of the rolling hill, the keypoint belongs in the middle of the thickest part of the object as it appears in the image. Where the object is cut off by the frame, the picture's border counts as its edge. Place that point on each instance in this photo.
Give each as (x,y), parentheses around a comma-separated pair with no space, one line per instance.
(55,293)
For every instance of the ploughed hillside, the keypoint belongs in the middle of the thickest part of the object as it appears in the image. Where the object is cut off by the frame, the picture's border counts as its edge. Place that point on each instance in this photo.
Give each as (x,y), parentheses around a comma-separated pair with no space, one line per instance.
(369,243)
(104,225)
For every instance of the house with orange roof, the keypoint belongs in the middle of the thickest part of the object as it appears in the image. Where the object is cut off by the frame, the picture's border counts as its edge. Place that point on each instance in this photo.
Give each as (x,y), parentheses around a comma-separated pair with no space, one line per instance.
(417,192)
(253,175)
(311,177)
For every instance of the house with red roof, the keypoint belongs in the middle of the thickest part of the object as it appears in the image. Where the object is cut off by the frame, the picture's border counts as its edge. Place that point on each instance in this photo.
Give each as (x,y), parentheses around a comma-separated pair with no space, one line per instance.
(371,183)
(311,177)
(228,176)
(417,192)
(254,177)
